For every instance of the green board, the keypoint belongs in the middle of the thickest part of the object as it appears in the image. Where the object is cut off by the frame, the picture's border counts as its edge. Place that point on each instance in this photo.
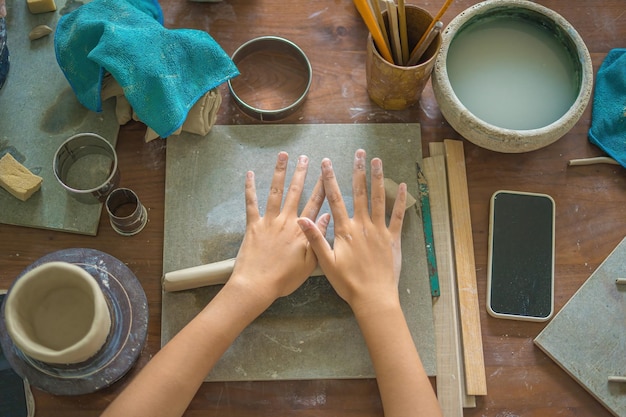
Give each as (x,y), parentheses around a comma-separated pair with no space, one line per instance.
(38,112)
(587,338)
(312,333)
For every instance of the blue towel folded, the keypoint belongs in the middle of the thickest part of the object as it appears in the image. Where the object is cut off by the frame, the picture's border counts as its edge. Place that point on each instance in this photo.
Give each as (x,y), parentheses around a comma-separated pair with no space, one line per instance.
(163,72)
(608,116)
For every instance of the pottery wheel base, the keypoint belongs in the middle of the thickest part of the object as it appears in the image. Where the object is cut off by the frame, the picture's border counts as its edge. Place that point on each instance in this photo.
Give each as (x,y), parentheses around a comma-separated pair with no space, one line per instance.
(129,326)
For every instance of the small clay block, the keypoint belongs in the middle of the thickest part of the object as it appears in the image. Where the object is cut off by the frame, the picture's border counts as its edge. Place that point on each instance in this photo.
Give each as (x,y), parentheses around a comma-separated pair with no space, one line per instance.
(17,179)
(391,189)
(41,6)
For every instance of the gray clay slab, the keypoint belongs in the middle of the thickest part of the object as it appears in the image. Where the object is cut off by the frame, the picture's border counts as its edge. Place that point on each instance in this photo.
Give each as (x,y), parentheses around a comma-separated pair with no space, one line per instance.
(587,338)
(310,334)
(38,112)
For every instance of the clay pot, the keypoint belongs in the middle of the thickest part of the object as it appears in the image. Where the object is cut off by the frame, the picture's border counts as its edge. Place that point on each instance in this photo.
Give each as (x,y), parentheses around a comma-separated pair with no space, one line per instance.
(56,313)
(501,138)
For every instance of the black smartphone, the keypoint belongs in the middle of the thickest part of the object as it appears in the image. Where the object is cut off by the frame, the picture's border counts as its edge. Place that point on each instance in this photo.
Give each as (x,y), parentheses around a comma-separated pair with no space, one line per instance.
(16,398)
(520,278)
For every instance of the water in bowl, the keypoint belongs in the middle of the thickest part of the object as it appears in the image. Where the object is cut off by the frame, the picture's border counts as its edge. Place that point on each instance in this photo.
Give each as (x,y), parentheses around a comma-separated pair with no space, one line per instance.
(512,72)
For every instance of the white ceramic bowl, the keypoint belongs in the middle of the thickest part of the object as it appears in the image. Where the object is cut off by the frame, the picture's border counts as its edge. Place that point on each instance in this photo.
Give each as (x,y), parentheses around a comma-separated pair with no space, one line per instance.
(56,313)
(459,109)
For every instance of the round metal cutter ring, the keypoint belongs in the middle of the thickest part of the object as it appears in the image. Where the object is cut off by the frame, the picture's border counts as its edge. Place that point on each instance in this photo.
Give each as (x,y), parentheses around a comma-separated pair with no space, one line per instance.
(275,77)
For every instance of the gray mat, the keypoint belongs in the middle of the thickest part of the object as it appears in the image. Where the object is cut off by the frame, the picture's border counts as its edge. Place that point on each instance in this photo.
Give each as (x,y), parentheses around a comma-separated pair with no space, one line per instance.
(312,333)
(587,338)
(38,111)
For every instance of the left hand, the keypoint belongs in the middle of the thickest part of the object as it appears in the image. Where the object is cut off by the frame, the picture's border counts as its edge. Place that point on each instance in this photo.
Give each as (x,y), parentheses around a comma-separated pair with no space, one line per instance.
(275,257)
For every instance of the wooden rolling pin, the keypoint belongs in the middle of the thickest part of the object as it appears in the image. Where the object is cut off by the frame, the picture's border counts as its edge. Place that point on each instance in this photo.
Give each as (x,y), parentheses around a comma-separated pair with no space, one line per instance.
(218,272)
(203,275)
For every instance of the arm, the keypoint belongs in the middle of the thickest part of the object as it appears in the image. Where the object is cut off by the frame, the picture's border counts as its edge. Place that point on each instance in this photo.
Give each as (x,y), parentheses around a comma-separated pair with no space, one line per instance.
(274,260)
(364,268)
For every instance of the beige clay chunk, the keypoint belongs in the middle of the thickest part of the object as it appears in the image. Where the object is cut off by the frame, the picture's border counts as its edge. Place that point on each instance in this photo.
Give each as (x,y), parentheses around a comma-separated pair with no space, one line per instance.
(17,179)
(39,32)
(41,6)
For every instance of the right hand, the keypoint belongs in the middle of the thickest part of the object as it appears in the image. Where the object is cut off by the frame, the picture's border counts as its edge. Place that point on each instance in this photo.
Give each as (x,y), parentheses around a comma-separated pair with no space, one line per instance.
(364,264)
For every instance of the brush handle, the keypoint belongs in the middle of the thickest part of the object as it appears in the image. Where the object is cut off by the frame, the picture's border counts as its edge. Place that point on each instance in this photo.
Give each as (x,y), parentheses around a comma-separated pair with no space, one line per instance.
(372,26)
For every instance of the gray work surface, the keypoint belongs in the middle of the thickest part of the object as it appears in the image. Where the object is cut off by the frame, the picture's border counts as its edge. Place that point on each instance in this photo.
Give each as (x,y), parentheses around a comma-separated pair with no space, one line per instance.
(38,112)
(312,333)
(587,338)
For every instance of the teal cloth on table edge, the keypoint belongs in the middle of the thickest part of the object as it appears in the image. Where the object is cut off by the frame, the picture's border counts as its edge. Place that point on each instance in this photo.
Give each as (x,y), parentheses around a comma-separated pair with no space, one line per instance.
(608,116)
(163,72)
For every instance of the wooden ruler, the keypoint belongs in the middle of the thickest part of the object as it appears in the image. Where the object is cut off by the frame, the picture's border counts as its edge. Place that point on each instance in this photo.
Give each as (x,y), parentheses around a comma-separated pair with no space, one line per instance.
(474,362)
(469,401)
(445,310)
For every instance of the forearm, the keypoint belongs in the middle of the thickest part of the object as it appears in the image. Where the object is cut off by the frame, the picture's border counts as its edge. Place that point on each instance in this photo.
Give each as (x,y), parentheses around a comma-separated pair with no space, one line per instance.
(404,387)
(168,383)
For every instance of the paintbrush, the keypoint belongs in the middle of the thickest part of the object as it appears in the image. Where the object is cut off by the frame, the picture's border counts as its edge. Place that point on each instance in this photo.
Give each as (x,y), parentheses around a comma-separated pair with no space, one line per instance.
(394,32)
(417,54)
(404,37)
(430,27)
(372,26)
(375,6)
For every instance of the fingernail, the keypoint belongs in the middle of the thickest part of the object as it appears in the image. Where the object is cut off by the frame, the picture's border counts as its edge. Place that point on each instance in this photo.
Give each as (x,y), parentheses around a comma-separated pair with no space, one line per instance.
(304,224)
(377,163)
(326,164)
(359,159)
(282,156)
(303,159)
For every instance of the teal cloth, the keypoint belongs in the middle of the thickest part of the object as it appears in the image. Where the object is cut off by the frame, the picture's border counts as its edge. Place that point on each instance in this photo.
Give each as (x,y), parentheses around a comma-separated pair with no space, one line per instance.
(608,116)
(163,72)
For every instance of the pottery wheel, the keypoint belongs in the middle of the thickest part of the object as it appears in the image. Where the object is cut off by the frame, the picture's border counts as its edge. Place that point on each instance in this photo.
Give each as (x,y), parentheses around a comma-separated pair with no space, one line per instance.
(129,326)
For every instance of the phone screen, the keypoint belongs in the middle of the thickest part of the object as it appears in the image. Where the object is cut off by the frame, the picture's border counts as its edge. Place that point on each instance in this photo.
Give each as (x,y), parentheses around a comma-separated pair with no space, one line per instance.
(521,256)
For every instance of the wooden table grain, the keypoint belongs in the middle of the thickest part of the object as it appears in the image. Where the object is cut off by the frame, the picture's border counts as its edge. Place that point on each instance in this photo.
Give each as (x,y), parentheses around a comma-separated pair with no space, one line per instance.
(590,211)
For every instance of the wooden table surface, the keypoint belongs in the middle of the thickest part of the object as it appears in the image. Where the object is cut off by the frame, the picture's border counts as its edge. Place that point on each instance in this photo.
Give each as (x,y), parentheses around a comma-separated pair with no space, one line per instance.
(590,213)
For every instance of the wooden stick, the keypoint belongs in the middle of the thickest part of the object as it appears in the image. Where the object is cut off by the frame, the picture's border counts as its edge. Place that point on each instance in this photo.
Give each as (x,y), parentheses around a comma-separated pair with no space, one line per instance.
(474,361)
(375,6)
(404,36)
(429,28)
(469,401)
(617,379)
(417,54)
(594,160)
(372,26)
(445,309)
(394,32)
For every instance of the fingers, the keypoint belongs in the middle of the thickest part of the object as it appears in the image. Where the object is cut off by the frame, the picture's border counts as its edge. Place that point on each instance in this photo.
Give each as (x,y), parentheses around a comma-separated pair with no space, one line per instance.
(333,193)
(275,198)
(316,238)
(397,215)
(359,185)
(314,204)
(323,222)
(252,206)
(296,186)
(378,191)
